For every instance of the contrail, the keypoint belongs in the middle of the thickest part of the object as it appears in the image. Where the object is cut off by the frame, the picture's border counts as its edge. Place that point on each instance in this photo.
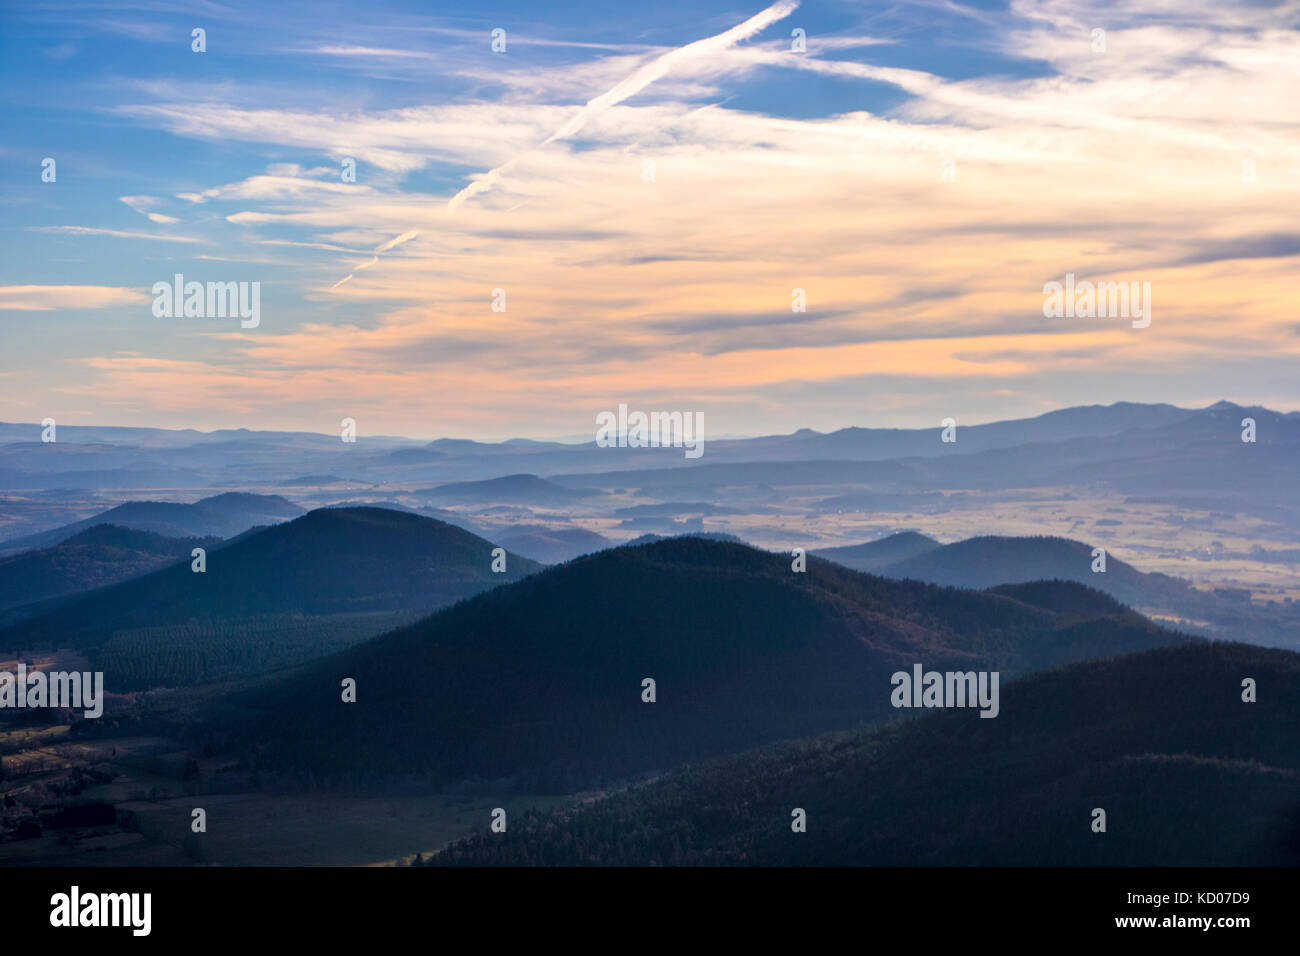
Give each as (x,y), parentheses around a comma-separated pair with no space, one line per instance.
(383,247)
(661,66)
(633,84)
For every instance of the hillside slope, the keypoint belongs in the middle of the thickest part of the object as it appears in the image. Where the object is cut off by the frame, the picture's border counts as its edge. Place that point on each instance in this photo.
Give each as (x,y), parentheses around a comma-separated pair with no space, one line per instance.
(1187,773)
(329,561)
(100,555)
(991,560)
(541,681)
(874,555)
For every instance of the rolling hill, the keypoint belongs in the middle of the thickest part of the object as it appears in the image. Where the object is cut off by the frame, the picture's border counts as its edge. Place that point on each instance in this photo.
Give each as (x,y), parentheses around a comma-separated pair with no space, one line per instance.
(100,555)
(990,560)
(329,561)
(541,681)
(875,555)
(1187,773)
(220,516)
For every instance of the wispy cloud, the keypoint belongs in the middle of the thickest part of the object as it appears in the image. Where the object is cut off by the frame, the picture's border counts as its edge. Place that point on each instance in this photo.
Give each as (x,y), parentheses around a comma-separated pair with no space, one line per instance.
(649,208)
(656,69)
(47,298)
(114,233)
(144,205)
(371,51)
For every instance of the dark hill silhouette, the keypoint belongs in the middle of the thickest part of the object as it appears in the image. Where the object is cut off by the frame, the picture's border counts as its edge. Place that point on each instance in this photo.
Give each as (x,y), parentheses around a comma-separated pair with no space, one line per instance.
(705,535)
(542,680)
(1064,597)
(875,555)
(1188,774)
(329,561)
(988,561)
(100,555)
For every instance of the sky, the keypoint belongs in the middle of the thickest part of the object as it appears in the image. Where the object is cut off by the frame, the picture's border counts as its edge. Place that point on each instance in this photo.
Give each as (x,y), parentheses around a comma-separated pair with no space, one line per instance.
(640,189)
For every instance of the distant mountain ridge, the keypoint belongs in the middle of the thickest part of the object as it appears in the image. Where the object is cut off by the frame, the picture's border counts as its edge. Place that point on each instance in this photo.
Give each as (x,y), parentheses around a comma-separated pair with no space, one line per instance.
(219,516)
(1017,565)
(990,560)
(874,555)
(88,456)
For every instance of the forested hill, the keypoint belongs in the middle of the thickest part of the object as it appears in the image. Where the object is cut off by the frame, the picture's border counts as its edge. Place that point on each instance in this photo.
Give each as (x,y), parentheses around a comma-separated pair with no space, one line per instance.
(542,681)
(1188,774)
(100,555)
(329,561)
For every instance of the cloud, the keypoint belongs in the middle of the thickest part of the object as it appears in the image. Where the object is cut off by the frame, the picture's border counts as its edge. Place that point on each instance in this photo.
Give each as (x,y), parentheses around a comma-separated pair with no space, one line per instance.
(114,233)
(1278,245)
(657,68)
(143,205)
(382,247)
(370,51)
(47,298)
(665,64)
(921,234)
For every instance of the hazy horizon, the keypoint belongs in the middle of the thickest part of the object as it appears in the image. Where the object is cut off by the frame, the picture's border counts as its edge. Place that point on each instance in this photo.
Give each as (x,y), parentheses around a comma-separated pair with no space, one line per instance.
(577,439)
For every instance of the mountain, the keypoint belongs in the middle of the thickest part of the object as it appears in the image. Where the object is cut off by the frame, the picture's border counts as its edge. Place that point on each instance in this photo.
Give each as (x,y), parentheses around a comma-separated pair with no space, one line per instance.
(510,489)
(441,514)
(551,545)
(878,444)
(1187,773)
(1155,442)
(329,561)
(705,535)
(1067,598)
(877,554)
(541,681)
(1170,455)
(220,516)
(990,560)
(100,555)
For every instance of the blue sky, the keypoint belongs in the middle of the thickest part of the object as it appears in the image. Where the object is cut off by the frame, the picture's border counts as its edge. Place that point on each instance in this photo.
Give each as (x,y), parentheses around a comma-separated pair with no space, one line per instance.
(648,184)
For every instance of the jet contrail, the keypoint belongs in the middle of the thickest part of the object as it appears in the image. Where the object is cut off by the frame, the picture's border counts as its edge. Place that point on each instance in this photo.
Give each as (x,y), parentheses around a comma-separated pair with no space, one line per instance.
(661,66)
(633,84)
(383,247)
